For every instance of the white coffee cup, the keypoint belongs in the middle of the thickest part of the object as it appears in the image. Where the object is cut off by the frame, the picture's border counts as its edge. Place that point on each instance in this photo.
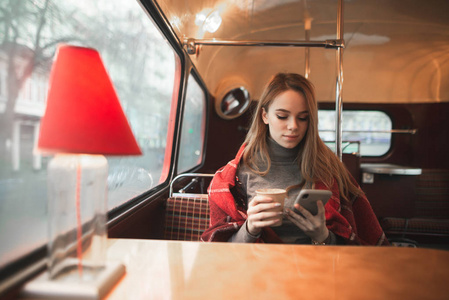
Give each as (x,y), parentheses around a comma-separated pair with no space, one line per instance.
(278,195)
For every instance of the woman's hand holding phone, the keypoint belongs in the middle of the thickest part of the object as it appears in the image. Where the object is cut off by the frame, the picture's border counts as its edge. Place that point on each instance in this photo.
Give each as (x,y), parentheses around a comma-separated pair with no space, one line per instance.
(311,220)
(312,225)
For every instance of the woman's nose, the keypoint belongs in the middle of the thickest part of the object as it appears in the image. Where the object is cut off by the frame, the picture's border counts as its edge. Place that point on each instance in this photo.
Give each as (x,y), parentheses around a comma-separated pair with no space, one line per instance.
(292,124)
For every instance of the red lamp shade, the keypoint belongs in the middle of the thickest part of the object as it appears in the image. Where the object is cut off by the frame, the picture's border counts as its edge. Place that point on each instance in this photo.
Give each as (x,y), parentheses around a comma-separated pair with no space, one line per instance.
(83,113)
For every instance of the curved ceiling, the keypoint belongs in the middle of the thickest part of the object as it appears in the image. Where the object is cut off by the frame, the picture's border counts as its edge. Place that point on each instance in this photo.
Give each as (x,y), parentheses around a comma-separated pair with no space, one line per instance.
(395,51)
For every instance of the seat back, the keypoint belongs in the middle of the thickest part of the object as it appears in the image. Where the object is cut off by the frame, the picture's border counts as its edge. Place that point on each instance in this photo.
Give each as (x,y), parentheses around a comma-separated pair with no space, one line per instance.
(432,191)
(187,211)
(430,221)
(352,163)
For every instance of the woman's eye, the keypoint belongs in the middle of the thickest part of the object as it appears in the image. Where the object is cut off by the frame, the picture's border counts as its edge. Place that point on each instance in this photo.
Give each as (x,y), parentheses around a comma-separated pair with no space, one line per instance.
(281,117)
(304,118)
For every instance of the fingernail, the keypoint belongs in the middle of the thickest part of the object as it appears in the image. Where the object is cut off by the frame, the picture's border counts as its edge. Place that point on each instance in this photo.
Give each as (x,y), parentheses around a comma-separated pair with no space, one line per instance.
(277,204)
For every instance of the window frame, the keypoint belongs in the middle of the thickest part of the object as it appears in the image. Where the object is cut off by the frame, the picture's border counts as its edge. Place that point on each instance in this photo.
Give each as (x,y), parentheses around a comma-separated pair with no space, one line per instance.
(368,109)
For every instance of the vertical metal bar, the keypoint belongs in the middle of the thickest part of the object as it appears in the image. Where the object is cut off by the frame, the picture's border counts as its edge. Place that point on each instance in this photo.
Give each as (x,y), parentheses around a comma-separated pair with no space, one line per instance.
(339,83)
(307,27)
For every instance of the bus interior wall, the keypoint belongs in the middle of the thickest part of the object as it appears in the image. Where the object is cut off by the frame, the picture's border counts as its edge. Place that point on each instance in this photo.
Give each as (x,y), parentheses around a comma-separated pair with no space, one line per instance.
(415,150)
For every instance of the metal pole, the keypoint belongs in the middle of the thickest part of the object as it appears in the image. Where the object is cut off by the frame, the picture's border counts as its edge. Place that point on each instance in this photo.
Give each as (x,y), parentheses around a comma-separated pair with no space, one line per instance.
(307,27)
(339,83)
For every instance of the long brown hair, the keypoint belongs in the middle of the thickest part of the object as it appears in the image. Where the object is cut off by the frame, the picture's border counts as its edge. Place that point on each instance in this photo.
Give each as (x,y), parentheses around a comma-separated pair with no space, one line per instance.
(316,160)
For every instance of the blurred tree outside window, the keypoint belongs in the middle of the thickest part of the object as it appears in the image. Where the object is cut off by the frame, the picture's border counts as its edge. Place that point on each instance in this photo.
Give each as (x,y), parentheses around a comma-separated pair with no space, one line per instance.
(141,65)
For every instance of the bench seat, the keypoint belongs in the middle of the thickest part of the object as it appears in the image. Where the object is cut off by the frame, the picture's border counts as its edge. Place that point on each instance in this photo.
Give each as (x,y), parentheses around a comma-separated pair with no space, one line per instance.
(431,210)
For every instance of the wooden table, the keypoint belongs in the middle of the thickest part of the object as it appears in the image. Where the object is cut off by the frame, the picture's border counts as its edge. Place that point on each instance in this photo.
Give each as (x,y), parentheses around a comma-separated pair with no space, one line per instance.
(192,270)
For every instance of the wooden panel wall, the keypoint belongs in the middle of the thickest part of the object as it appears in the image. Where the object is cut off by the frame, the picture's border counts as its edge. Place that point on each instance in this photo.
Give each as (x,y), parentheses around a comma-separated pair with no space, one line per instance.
(428,148)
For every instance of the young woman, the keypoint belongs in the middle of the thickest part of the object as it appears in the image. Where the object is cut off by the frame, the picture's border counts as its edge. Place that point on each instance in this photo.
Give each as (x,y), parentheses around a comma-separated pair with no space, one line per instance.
(283,150)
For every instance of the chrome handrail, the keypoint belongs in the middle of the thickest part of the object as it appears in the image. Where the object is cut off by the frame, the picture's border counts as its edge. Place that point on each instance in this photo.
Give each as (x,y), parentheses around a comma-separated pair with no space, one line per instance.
(409,131)
(191,43)
(194,180)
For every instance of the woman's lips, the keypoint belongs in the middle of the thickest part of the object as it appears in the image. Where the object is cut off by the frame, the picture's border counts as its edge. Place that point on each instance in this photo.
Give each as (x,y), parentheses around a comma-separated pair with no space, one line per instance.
(291,137)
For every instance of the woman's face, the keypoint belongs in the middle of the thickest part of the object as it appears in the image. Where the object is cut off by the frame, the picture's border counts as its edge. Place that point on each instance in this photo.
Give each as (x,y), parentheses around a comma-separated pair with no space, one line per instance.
(287,118)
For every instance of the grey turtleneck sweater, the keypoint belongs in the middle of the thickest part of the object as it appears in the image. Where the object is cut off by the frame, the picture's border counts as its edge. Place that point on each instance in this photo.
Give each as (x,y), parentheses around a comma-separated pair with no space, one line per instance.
(284,172)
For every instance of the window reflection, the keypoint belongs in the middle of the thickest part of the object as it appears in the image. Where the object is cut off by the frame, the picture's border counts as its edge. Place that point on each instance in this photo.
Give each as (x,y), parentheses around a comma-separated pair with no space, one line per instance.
(193,126)
(142,67)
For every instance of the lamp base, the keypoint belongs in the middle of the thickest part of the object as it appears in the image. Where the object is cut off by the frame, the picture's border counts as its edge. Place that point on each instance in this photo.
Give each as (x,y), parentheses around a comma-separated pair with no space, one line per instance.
(44,288)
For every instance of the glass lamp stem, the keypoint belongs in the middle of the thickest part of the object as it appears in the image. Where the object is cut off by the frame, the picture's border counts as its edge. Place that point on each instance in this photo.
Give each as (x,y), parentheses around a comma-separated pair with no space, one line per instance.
(79,229)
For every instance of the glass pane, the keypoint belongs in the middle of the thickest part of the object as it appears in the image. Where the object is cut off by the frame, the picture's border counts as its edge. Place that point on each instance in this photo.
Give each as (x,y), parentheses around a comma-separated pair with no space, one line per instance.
(192,130)
(366,132)
(142,67)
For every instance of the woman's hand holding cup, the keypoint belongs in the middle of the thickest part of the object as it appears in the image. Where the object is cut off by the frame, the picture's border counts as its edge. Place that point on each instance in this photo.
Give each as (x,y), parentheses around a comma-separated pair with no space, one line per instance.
(266,209)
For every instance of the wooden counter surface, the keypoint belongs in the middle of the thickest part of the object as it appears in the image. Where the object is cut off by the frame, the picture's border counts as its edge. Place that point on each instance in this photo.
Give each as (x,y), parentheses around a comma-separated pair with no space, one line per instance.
(192,270)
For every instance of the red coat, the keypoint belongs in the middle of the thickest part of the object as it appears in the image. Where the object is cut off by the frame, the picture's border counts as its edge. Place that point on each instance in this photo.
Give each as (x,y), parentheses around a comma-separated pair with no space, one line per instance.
(355,222)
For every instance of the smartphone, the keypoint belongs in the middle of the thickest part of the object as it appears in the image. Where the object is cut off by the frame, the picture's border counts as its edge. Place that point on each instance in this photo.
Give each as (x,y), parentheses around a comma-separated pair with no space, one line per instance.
(307,198)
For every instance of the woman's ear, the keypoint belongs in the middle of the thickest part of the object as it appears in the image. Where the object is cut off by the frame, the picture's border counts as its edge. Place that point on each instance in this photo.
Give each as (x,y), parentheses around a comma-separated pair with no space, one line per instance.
(264,116)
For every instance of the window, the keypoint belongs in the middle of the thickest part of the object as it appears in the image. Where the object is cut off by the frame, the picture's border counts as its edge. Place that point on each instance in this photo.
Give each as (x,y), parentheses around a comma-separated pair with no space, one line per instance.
(365,132)
(141,65)
(193,126)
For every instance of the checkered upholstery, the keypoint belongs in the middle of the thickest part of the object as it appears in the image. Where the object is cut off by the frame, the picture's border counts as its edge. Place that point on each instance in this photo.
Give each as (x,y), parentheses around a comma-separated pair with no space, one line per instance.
(186,218)
(415,226)
(432,190)
(431,217)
